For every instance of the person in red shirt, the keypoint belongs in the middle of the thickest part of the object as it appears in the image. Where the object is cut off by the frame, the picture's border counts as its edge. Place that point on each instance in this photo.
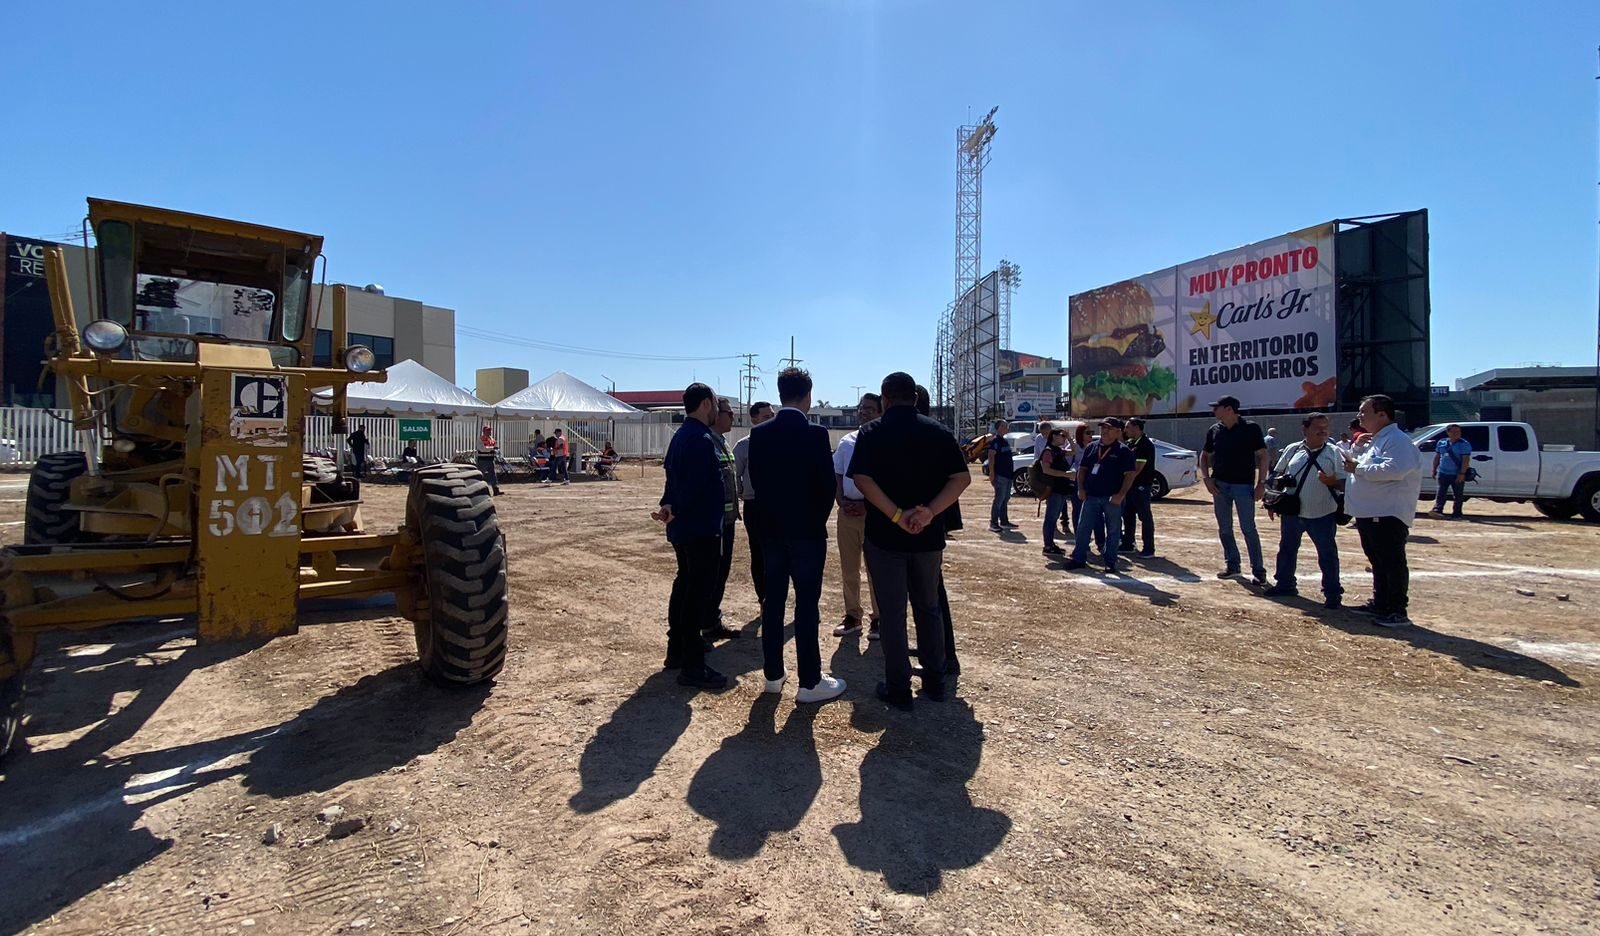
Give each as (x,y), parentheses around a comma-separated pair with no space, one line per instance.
(558,457)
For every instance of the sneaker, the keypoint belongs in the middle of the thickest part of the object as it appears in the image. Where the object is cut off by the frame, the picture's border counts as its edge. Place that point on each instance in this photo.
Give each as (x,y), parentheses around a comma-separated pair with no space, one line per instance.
(1369,608)
(1436,512)
(872,631)
(1229,572)
(995,528)
(828,687)
(1072,564)
(899,700)
(1111,565)
(1149,552)
(775,686)
(1333,603)
(848,627)
(1259,577)
(1396,619)
(1281,591)
(1053,551)
(704,678)
(1008,524)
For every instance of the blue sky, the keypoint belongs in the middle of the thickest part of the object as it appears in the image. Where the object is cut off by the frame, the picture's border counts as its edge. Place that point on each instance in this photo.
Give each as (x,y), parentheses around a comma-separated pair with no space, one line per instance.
(708,178)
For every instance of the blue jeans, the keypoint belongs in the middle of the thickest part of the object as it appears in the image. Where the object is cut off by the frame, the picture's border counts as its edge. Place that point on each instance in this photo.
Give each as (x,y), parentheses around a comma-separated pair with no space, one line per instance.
(1052,515)
(1242,496)
(802,561)
(1323,532)
(998,511)
(1448,484)
(1098,512)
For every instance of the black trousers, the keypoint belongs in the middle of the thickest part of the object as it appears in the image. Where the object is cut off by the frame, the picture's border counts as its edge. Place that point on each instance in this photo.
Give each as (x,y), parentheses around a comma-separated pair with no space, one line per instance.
(359,457)
(1383,539)
(952,666)
(897,577)
(1136,507)
(726,564)
(757,575)
(487,466)
(691,610)
(799,561)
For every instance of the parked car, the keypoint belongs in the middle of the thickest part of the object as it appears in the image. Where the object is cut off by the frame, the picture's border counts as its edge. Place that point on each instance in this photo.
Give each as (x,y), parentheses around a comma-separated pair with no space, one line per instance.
(1512,467)
(1175,468)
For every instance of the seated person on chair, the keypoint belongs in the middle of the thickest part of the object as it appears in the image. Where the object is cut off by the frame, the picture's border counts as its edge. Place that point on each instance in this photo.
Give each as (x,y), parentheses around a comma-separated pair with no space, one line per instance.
(606,464)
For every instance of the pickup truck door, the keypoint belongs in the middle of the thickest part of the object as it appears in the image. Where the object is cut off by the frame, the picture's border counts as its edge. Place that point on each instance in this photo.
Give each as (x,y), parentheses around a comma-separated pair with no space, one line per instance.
(1484,461)
(1516,460)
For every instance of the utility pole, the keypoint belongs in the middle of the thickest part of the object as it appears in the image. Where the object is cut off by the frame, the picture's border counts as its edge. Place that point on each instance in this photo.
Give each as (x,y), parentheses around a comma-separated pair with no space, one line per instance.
(858,388)
(791,360)
(748,379)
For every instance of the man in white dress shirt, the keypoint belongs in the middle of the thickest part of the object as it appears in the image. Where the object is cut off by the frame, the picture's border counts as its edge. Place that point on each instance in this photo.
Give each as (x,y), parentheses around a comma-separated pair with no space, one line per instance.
(1385,483)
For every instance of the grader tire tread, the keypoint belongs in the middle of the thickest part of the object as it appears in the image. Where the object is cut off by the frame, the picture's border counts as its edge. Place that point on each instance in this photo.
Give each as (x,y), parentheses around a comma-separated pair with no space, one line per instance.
(314,469)
(462,630)
(45,521)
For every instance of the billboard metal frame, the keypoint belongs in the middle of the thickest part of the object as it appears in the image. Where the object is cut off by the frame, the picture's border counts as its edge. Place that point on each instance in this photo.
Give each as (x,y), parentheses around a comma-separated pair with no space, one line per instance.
(1383,311)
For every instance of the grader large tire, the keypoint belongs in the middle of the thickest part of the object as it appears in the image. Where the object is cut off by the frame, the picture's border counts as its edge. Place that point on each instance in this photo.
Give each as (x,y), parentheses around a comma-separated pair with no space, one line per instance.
(314,469)
(461,636)
(10,707)
(46,522)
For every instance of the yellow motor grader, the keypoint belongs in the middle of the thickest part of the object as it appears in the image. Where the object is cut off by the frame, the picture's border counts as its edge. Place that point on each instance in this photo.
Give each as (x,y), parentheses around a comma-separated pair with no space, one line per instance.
(195,374)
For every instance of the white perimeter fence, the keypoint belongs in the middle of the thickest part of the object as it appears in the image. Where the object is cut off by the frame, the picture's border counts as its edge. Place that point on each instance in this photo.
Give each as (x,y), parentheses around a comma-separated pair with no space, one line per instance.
(30,432)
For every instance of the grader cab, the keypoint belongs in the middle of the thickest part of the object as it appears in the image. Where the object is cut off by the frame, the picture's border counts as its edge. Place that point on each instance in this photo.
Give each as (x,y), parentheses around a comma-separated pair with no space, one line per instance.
(195,374)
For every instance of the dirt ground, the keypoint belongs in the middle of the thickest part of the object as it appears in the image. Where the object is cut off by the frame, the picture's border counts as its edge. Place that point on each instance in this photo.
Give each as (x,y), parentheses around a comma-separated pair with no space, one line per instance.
(1156,753)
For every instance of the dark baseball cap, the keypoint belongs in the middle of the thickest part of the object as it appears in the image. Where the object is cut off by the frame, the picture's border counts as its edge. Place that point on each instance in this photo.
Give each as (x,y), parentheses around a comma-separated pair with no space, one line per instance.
(1111,421)
(1232,402)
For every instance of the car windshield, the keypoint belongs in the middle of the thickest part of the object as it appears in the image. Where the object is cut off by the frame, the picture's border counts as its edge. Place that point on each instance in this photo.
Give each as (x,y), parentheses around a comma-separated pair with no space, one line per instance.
(1418,434)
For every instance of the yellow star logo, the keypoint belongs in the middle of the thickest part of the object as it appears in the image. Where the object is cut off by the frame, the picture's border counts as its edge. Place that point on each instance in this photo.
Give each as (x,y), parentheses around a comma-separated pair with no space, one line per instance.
(1203,320)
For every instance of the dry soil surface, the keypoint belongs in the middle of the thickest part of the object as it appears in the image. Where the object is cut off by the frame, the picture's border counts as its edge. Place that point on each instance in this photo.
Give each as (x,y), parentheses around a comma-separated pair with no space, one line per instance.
(1157,752)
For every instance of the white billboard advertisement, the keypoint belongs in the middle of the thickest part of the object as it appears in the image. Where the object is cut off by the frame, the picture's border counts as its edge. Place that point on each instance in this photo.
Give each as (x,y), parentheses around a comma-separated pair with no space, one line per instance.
(1255,322)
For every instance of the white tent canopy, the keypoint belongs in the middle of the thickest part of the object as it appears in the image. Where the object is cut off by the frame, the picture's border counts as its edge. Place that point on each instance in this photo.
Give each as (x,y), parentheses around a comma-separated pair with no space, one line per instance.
(412,388)
(563,396)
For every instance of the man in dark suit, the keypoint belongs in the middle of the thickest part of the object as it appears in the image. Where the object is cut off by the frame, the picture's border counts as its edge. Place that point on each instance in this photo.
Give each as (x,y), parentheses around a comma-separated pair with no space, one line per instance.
(791,459)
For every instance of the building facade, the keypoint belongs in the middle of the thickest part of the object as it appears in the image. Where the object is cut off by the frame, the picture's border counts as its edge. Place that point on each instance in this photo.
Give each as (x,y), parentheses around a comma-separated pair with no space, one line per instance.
(395,329)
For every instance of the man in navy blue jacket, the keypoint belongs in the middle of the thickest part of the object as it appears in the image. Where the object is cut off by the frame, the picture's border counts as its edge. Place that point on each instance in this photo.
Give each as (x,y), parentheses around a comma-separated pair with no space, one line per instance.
(692,508)
(791,458)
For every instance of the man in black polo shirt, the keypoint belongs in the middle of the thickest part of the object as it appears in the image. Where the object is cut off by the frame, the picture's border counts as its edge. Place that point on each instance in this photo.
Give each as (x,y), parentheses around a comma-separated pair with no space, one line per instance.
(1136,509)
(1105,475)
(911,471)
(1234,468)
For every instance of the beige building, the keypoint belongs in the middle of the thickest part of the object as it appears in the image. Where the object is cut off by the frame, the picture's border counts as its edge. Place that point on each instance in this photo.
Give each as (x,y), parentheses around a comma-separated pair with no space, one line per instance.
(395,329)
(497,383)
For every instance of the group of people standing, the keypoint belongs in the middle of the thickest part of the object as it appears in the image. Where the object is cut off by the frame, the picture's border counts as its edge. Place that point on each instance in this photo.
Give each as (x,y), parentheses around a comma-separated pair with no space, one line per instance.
(1107,481)
(1373,478)
(895,483)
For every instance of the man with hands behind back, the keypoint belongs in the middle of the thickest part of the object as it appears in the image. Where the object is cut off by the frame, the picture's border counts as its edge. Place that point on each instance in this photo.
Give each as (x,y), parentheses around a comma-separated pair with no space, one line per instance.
(910,470)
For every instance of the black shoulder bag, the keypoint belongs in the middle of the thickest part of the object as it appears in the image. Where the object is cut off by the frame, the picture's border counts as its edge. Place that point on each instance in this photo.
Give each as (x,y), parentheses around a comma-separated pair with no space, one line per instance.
(1282,496)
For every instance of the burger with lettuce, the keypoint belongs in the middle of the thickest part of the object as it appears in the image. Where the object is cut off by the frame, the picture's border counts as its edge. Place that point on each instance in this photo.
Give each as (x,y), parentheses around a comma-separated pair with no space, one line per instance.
(1115,347)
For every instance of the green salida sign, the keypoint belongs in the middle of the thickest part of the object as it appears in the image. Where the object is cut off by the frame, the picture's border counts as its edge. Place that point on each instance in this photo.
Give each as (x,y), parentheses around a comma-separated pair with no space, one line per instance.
(417,430)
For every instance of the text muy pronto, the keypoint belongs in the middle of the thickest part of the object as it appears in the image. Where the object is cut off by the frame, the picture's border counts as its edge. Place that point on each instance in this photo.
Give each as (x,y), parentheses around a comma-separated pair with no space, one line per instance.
(1280,264)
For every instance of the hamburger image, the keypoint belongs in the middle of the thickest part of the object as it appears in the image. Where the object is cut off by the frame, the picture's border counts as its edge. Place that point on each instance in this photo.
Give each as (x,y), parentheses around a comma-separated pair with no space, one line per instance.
(1114,352)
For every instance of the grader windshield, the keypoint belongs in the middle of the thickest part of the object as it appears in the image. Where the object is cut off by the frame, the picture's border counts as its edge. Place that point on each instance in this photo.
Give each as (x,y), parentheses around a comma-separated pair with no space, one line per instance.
(174,279)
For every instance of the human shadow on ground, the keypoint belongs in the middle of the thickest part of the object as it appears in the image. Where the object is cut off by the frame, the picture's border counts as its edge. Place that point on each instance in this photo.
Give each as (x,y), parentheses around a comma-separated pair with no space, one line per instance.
(73,819)
(1473,654)
(917,818)
(760,781)
(626,750)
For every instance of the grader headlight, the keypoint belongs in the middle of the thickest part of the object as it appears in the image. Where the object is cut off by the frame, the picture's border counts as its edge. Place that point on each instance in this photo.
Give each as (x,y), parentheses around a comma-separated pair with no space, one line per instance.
(359,359)
(104,336)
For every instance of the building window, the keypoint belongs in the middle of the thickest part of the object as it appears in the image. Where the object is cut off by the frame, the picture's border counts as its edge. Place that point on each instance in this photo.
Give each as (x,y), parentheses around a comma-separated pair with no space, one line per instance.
(382,348)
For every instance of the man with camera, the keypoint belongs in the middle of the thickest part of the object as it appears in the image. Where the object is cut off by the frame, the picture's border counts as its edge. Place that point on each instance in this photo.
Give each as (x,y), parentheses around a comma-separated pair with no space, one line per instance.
(1301,493)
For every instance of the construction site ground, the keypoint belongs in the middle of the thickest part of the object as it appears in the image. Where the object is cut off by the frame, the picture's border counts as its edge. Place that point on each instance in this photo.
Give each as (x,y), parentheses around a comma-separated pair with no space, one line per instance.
(1159,752)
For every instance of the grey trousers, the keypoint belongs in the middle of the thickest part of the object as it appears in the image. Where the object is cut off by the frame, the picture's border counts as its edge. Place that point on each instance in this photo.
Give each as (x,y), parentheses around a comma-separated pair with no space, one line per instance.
(897,577)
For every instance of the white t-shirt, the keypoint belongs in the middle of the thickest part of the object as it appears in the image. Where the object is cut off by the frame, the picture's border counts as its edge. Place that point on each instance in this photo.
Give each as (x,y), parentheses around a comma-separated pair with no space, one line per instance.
(841,465)
(1316,500)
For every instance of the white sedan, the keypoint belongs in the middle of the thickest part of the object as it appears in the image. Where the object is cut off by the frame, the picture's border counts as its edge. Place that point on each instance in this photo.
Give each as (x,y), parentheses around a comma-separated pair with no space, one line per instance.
(1175,468)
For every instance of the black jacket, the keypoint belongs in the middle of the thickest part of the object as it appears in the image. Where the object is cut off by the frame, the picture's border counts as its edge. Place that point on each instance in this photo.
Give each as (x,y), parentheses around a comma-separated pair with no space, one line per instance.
(792,458)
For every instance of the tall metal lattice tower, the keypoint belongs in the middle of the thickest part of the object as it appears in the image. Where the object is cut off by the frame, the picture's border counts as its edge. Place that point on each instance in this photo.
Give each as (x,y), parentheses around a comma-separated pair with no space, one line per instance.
(957,342)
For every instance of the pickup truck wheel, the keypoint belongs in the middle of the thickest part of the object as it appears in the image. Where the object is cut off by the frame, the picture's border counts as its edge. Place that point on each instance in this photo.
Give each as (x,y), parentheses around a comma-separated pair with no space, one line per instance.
(1588,498)
(1556,509)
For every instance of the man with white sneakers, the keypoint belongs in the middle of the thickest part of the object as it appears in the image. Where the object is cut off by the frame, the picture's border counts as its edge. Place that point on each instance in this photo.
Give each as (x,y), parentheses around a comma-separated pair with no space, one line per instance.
(791,460)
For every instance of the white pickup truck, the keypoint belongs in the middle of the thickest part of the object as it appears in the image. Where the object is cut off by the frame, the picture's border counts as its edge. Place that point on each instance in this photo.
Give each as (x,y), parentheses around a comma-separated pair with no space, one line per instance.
(1512,466)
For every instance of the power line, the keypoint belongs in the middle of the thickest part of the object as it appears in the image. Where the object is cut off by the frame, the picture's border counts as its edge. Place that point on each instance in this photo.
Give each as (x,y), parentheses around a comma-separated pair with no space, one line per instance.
(748,379)
(481,334)
(791,360)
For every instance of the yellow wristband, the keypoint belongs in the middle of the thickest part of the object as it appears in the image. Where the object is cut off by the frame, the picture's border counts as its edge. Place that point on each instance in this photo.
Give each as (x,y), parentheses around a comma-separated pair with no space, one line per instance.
(896,517)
